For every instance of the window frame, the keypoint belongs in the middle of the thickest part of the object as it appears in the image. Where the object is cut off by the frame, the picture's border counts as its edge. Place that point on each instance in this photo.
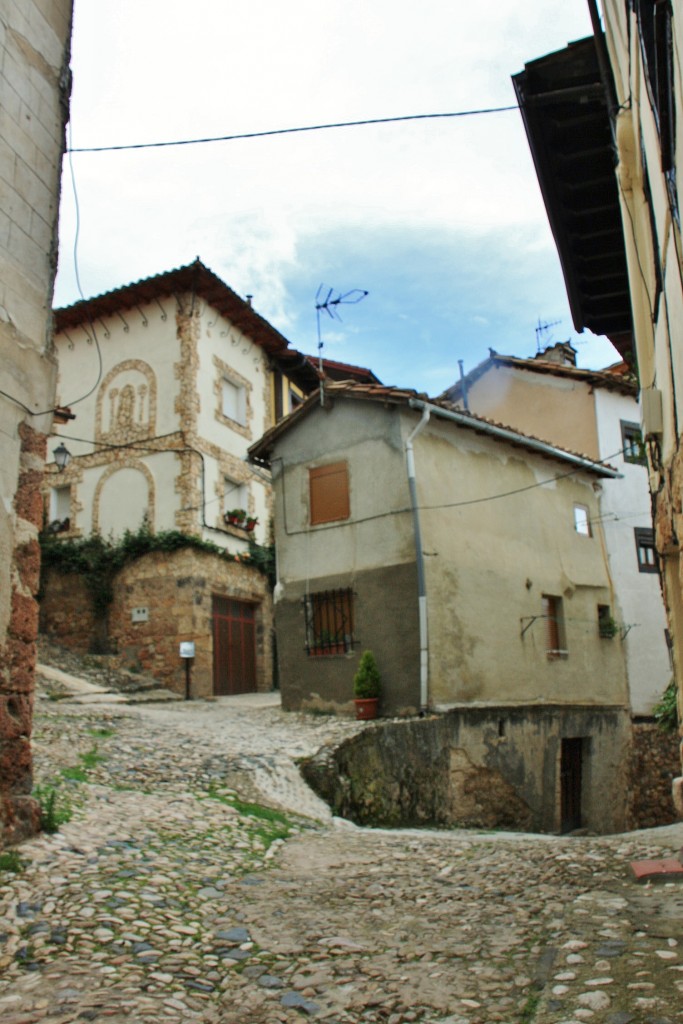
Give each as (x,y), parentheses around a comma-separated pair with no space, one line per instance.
(329,622)
(240,403)
(632,437)
(584,522)
(645,541)
(552,612)
(324,504)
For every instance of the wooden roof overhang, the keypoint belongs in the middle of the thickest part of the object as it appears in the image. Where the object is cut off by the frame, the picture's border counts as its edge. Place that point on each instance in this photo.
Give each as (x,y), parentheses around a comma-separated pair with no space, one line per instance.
(563,103)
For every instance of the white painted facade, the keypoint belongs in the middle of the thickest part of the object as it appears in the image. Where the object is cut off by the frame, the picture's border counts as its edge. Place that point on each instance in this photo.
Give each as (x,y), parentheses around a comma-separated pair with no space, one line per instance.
(168,392)
(625,507)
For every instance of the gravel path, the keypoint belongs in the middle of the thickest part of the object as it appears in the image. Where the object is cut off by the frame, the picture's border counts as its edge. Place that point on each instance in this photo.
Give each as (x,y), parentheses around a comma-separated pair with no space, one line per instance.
(168,897)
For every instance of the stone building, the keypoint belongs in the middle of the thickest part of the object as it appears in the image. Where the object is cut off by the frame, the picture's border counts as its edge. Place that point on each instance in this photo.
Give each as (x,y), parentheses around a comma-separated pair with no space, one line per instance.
(181,375)
(34,80)
(447,545)
(604,121)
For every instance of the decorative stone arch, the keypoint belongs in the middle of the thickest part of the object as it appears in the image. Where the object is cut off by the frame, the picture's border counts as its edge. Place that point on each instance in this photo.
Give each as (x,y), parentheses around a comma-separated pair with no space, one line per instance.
(132,409)
(127,462)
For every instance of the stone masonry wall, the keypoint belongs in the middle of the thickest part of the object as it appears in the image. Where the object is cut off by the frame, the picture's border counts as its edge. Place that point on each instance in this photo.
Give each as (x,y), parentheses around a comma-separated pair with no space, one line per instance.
(493,767)
(654,765)
(176,589)
(34,84)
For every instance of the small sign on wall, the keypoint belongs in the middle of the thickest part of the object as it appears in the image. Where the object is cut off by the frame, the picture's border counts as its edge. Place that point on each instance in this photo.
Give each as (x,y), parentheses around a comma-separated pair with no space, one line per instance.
(187,649)
(139,615)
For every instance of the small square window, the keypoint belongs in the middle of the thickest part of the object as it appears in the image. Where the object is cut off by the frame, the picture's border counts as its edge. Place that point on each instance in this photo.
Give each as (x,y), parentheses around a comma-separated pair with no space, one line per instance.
(233,401)
(582,523)
(645,548)
(234,494)
(329,493)
(632,443)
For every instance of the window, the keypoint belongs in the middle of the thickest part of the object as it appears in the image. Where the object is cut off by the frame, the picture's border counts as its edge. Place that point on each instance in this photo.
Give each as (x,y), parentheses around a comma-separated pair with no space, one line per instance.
(329,622)
(60,509)
(632,443)
(555,643)
(329,492)
(233,401)
(607,627)
(582,523)
(645,548)
(234,494)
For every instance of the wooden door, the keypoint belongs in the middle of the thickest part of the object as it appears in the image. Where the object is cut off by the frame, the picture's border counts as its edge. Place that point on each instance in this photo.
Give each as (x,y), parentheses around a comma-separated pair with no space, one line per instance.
(234,647)
(571,773)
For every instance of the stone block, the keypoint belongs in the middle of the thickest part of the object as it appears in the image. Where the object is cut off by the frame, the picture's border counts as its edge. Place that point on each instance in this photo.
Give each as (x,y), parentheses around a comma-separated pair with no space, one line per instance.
(24,617)
(21,657)
(15,716)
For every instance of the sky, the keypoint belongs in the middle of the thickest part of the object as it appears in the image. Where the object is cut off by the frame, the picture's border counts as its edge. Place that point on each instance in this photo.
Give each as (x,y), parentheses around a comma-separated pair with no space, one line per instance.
(441,221)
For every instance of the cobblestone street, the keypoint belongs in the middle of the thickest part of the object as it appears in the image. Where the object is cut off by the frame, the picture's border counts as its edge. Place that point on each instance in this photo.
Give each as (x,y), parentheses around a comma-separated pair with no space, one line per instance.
(170,895)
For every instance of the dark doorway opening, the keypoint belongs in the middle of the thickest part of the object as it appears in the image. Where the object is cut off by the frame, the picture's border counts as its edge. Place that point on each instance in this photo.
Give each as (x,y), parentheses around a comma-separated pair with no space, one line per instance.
(571,778)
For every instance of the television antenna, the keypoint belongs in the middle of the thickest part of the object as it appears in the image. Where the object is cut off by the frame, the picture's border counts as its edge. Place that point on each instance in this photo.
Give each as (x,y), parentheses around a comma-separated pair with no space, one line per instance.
(328,301)
(541,332)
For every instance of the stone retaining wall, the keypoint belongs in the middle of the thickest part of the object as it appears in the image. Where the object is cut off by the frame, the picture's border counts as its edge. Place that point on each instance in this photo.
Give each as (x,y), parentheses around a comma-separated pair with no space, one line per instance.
(655,763)
(493,767)
(176,589)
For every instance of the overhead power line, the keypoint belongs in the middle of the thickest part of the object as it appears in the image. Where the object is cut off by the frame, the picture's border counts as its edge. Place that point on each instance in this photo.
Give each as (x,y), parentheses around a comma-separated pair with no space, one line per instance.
(290,131)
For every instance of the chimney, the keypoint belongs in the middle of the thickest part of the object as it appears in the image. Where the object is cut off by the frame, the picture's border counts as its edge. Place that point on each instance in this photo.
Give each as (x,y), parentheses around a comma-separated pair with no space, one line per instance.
(562,353)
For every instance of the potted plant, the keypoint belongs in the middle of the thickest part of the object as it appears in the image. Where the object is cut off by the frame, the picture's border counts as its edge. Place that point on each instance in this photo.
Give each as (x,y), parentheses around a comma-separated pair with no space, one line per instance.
(235,517)
(251,522)
(367,687)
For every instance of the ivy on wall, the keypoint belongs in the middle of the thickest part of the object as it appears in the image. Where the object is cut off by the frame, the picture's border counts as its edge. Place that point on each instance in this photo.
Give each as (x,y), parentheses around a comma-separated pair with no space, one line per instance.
(97,560)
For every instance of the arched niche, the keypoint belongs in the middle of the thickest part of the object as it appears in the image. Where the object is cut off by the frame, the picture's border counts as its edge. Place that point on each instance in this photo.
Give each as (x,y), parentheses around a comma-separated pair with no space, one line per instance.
(124,499)
(127,403)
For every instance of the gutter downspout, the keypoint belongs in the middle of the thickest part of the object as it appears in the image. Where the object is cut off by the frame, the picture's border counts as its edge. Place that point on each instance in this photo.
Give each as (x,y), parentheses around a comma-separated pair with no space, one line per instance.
(419,560)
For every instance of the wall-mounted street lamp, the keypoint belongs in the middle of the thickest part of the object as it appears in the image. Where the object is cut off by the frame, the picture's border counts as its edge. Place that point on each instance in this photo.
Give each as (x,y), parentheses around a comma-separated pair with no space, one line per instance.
(62,457)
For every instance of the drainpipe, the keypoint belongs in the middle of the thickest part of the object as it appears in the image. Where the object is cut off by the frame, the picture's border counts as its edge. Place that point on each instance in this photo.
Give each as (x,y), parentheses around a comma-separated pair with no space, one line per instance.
(419,560)
(463,385)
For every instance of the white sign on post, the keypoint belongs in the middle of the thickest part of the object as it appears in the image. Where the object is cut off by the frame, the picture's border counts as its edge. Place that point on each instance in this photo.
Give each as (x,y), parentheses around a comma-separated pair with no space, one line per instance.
(187,649)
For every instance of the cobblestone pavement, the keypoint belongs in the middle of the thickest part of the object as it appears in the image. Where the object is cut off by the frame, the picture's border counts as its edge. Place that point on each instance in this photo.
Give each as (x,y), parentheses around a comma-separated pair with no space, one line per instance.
(170,897)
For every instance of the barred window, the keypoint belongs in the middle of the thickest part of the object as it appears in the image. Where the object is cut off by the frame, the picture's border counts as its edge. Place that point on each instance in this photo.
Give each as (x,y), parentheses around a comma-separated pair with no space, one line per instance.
(329,622)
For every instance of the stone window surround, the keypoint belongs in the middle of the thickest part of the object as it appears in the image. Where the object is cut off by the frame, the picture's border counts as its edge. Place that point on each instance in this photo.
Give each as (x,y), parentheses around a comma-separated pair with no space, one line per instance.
(226,372)
(231,468)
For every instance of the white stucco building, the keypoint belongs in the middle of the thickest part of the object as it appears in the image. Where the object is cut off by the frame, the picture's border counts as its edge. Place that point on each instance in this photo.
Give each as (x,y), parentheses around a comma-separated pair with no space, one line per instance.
(170,378)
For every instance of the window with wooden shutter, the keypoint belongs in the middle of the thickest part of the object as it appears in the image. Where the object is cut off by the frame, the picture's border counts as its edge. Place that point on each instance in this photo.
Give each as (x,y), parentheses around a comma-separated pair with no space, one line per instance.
(555,643)
(329,493)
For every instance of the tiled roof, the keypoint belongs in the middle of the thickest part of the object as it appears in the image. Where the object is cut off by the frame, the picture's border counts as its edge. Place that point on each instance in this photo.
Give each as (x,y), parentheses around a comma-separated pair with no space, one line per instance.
(388,396)
(193,278)
(617,377)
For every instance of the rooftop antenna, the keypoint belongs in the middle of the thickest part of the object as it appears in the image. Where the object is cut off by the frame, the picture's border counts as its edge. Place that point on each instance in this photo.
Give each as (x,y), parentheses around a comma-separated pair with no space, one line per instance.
(541,329)
(329,301)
